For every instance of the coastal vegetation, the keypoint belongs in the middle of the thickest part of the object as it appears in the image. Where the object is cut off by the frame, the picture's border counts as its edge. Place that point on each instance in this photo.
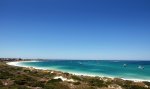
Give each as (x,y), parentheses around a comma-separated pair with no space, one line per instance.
(12,77)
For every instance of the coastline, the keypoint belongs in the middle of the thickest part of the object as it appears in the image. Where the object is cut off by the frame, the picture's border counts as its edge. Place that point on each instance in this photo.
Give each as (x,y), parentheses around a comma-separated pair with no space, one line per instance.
(17,63)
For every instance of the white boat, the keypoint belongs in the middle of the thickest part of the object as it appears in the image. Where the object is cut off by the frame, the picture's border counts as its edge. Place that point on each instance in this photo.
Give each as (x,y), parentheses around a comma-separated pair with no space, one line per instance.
(141,67)
(124,65)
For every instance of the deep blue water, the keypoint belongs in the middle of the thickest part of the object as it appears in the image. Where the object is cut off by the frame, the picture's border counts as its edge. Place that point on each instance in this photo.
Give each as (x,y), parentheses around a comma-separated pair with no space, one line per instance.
(108,68)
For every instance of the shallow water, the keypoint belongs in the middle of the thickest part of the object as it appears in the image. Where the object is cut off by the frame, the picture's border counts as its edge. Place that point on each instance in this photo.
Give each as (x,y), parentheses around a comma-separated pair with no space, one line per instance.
(109,68)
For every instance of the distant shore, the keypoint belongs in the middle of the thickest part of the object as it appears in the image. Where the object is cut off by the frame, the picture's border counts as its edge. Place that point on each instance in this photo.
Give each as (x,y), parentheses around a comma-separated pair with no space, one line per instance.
(17,63)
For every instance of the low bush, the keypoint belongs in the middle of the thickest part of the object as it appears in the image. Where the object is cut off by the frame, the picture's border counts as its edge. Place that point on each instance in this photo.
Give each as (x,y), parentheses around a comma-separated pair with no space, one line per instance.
(76,83)
(54,80)
(97,82)
(76,78)
(56,86)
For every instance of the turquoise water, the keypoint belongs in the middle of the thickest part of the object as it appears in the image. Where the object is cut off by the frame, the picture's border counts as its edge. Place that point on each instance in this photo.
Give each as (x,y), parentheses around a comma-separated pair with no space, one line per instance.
(109,68)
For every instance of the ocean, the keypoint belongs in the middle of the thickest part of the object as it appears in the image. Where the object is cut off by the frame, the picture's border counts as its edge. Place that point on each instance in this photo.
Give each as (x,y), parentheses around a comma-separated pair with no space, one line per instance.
(131,70)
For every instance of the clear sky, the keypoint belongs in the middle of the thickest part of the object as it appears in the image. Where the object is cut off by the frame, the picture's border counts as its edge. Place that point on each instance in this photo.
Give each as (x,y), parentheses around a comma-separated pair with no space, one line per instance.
(75,29)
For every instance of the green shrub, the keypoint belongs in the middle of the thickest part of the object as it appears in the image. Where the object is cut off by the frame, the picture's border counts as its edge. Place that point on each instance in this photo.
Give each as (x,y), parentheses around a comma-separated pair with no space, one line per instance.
(21,87)
(97,82)
(37,84)
(5,75)
(76,83)
(54,80)
(137,87)
(55,86)
(14,87)
(91,87)
(1,84)
(23,79)
(76,78)
(147,83)
(20,82)
(67,74)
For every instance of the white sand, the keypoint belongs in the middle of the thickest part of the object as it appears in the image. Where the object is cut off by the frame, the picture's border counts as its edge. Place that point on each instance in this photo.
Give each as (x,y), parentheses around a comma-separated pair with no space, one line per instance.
(136,80)
(64,79)
(13,63)
(18,63)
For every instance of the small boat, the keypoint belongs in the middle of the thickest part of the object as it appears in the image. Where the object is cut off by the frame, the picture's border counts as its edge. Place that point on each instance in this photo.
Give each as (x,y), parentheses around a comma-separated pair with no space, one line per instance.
(141,67)
(124,65)
(80,63)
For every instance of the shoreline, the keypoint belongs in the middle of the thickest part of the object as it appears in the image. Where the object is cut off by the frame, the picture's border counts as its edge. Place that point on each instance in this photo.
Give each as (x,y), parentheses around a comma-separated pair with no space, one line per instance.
(15,63)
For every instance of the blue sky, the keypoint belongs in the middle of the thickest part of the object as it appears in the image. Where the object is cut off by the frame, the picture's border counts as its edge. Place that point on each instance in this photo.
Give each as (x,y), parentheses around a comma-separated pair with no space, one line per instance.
(75,29)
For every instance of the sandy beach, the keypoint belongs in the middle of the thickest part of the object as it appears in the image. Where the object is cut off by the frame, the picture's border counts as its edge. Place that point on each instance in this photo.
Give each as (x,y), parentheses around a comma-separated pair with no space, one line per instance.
(18,63)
